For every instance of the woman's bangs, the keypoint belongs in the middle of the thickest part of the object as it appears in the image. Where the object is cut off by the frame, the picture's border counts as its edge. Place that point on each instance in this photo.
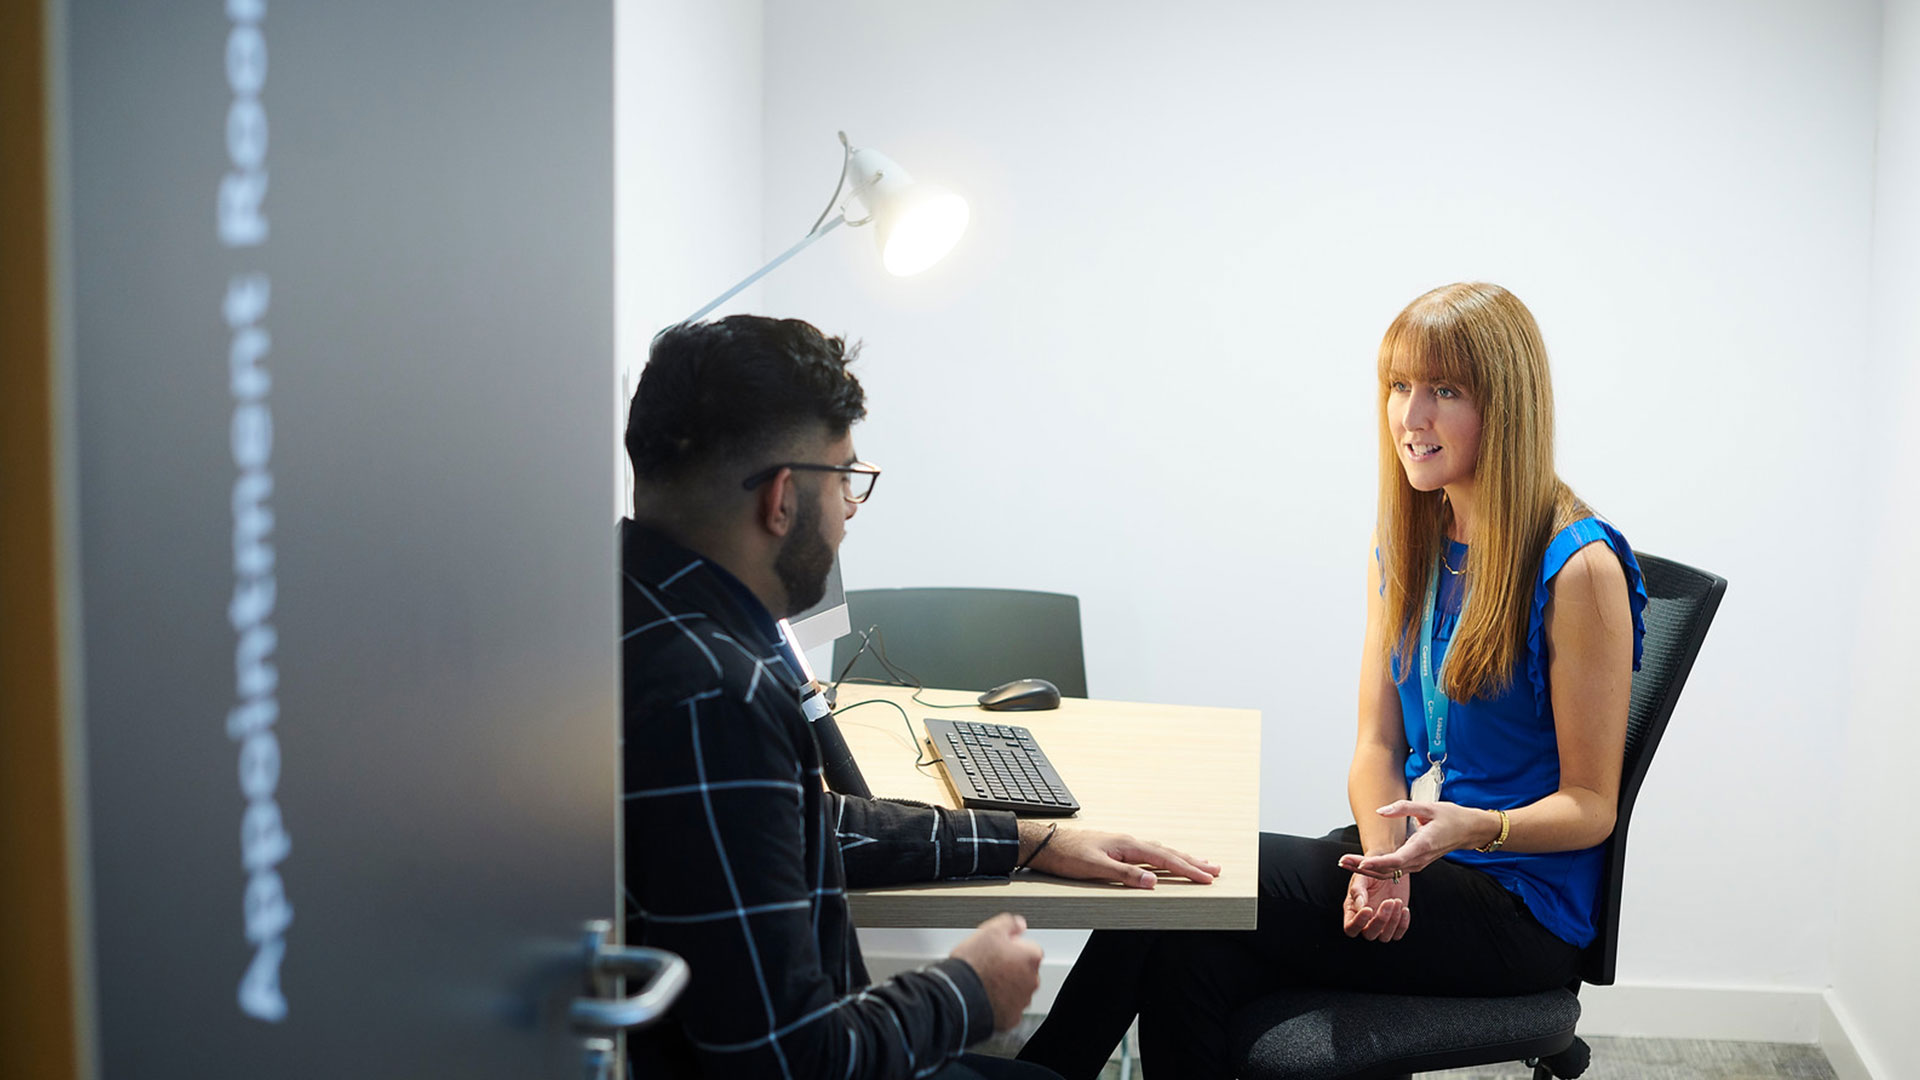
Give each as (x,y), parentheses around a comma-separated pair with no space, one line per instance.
(1416,350)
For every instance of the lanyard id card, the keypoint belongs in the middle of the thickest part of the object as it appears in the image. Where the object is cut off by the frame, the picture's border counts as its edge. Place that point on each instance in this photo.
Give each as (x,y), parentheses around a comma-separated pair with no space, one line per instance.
(1433,699)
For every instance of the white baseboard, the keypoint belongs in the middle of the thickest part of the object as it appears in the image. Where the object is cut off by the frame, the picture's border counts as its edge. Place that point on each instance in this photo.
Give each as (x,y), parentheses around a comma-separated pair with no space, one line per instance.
(1744,1014)
(1739,1013)
(1844,1050)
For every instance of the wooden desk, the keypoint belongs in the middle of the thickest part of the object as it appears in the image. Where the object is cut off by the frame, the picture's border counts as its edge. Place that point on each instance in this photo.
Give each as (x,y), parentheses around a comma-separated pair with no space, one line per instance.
(1198,793)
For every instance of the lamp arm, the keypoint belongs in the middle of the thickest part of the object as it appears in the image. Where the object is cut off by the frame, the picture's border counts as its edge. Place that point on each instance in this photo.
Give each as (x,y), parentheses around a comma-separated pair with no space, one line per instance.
(817,233)
(846,159)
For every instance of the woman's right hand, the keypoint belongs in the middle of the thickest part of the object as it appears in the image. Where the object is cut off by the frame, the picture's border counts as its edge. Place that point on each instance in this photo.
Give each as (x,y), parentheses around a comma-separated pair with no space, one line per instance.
(1377,908)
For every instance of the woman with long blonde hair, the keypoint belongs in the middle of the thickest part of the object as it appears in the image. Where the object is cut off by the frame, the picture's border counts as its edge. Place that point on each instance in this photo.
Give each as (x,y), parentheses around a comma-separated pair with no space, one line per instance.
(1503,628)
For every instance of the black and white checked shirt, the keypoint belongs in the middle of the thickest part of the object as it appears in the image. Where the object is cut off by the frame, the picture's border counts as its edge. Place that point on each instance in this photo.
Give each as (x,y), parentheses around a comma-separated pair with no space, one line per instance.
(738,859)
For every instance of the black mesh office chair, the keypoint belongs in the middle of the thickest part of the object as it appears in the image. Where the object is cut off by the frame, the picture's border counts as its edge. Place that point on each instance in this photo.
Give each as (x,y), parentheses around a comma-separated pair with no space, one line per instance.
(969,639)
(1310,1034)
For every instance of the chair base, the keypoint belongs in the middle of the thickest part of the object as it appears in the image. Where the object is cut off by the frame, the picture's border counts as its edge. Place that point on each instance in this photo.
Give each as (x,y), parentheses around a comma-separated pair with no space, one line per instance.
(1565,1065)
(1341,1035)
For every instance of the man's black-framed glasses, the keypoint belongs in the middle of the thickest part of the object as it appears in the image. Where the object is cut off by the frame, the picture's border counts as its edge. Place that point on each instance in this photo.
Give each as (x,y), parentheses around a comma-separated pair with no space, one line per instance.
(856,480)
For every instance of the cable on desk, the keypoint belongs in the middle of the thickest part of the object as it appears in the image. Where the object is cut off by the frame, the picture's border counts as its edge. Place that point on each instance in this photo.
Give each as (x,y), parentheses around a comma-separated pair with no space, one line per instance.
(921,760)
(900,676)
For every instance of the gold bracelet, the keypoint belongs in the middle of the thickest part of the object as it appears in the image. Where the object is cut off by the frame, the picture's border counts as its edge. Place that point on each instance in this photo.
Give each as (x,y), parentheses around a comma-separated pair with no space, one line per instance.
(1496,842)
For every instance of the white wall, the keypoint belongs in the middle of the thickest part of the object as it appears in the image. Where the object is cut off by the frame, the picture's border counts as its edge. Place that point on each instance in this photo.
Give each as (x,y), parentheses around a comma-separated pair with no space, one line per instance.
(1145,377)
(1876,990)
(687,167)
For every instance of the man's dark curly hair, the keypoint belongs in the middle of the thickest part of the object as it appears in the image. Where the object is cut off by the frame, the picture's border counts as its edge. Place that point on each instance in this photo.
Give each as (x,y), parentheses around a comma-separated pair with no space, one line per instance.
(732,391)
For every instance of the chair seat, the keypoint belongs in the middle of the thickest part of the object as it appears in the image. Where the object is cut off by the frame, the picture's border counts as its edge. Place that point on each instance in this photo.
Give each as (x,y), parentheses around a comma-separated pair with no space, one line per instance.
(1313,1034)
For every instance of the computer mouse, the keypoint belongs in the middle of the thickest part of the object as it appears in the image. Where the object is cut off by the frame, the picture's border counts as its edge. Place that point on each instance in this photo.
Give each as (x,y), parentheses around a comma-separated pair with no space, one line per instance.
(1021,695)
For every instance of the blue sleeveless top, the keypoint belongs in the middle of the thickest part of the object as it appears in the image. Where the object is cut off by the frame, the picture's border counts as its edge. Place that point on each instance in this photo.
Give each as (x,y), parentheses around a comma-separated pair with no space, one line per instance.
(1502,752)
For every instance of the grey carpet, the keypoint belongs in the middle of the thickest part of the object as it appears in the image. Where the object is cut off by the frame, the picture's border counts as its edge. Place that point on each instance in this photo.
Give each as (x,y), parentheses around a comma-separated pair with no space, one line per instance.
(1678,1059)
(1613,1059)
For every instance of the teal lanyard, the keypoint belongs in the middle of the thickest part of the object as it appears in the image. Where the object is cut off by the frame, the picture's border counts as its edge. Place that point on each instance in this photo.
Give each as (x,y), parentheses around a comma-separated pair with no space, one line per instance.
(1434,698)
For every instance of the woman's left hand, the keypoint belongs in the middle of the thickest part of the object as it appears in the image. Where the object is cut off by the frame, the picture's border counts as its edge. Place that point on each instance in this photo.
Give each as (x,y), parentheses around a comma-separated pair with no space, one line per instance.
(1444,827)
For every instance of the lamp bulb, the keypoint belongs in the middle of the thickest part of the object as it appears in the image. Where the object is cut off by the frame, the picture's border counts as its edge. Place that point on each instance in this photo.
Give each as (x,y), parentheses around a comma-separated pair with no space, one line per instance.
(922,230)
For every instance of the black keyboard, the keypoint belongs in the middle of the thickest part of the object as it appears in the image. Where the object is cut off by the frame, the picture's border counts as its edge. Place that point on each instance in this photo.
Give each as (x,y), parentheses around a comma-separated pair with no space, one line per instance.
(998,767)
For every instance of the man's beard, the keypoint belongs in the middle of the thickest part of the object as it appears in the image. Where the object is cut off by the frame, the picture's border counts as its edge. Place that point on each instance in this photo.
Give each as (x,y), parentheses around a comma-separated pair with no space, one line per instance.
(804,560)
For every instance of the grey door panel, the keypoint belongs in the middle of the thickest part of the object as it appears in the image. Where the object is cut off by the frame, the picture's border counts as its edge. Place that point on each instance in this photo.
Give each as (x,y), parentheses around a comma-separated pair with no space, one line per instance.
(367,741)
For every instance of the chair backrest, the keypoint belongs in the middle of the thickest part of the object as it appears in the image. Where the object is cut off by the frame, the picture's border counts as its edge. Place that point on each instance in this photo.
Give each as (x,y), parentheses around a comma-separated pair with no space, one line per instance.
(970,639)
(1681,602)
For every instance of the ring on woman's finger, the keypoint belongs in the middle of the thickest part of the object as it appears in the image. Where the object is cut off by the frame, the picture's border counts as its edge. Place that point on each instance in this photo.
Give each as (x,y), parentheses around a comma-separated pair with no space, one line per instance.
(1396,875)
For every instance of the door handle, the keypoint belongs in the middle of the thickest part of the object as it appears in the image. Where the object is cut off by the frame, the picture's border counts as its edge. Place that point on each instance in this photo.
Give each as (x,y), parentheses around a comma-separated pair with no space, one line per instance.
(665,974)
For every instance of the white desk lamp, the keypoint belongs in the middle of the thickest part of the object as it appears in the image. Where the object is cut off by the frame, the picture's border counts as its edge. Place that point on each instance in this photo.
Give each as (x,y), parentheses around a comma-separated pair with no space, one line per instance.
(914,224)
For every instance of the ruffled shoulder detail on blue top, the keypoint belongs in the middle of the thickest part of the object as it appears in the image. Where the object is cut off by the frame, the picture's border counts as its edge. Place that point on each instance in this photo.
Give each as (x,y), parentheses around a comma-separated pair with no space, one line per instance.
(1559,550)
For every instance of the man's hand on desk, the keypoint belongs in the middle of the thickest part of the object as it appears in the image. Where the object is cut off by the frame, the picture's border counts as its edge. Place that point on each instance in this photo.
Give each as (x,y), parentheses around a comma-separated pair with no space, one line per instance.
(1090,855)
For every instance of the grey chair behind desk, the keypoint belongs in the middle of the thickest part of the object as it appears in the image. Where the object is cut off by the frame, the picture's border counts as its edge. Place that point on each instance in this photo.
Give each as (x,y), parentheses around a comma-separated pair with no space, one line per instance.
(969,639)
(1310,1034)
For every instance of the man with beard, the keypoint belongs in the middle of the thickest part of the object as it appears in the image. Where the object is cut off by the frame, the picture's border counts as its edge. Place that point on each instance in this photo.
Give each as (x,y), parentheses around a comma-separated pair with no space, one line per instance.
(737,858)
